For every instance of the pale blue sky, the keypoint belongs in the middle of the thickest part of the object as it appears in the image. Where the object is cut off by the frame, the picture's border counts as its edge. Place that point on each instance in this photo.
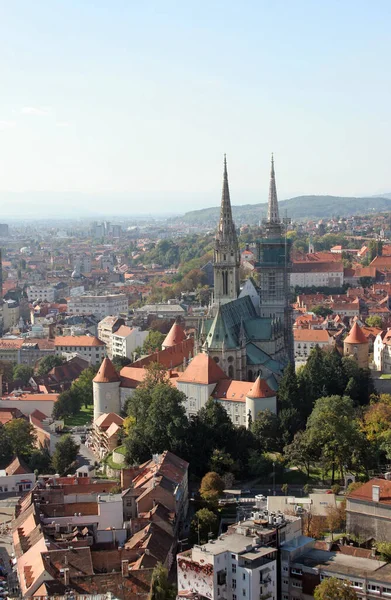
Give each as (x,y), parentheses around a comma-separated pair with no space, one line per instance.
(145,97)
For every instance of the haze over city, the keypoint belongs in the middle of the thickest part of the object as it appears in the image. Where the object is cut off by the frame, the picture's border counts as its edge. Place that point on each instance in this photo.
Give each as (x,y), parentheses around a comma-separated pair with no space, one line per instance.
(133,105)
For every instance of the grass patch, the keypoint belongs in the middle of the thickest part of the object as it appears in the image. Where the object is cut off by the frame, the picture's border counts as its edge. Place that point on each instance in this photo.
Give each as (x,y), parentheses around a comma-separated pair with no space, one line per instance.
(385,376)
(121,450)
(113,465)
(82,418)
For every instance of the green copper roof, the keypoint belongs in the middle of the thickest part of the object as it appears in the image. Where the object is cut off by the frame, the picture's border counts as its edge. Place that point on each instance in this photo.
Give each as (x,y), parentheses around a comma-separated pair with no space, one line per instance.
(220,334)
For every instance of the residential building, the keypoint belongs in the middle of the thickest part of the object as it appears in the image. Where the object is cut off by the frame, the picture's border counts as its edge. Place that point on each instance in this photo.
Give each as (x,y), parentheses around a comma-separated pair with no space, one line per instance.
(125,341)
(27,403)
(11,313)
(160,311)
(382,351)
(317,274)
(356,567)
(368,511)
(26,351)
(106,328)
(86,346)
(306,339)
(100,306)
(105,432)
(235,565)
(41,291)
(163,480)
(356,346)
(17,477)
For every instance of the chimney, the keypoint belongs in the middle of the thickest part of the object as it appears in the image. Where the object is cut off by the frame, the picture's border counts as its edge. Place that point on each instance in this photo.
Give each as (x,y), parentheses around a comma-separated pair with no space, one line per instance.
(66,576)
(376,493)
(125,568)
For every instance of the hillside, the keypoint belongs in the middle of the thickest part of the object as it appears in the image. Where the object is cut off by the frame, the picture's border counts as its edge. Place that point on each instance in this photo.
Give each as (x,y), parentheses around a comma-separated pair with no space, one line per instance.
(301,207)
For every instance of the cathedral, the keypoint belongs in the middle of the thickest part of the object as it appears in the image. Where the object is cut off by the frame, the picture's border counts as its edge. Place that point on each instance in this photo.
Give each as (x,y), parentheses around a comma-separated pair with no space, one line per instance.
(248,331)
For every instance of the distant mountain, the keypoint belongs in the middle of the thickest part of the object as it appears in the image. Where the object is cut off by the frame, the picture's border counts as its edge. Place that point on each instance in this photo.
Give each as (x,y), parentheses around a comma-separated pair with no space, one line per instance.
(302,207)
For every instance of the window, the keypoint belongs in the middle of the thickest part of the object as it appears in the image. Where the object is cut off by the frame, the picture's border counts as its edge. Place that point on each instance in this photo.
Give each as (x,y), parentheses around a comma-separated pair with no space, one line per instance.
(285,581)
(243,592)
(244,576)
(234,584)
(296,584)
(234,597)
(233,568)
(374,588)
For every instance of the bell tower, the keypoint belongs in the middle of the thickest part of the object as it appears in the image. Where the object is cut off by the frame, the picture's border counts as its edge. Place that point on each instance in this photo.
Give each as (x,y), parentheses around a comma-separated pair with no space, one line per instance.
(226,260)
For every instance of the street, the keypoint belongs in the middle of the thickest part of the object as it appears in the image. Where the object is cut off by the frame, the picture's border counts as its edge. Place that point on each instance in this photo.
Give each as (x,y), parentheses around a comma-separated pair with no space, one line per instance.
(86,456)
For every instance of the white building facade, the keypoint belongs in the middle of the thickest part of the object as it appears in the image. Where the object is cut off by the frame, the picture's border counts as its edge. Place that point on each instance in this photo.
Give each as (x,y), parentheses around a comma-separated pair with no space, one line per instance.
(100,306)
(232,567)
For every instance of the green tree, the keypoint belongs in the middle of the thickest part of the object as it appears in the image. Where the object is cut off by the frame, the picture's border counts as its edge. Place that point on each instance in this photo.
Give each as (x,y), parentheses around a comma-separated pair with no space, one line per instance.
(65,454)
(204,522)
(334,589)
(374,321)
(153,342)
(40,460)
(301,451)
(22,373)
(161,588)
(68,403)
(47,363)
(82,388)
(160,424)
(321,311)
(333,431)
(6,450)
(221,462)
(266,431)
(119,362)
(22,437)
(6,370)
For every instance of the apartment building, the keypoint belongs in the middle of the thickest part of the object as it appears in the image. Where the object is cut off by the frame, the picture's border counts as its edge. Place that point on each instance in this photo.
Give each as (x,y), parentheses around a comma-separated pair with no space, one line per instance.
(125,340)
(86,346)
(100,306)
(232,567)
(41,291)
(106,328)
(306,339)
(317,274)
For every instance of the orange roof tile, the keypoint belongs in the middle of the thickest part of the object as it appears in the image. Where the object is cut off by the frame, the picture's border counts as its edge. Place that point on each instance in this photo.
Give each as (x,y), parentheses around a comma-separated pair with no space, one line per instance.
(356,336)
(311,335)
(365,491)
(106,373)
(260,389)
(174,336)
(202,369)
(228,389)
(106,419)
(77,340)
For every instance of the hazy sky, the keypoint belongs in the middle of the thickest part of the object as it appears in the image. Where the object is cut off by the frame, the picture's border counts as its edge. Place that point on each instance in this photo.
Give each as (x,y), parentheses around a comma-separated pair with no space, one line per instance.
(145,97)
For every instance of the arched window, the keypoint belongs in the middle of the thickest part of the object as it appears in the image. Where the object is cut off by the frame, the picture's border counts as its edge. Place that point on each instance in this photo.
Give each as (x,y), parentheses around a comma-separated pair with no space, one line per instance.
(231,371)
(250,375)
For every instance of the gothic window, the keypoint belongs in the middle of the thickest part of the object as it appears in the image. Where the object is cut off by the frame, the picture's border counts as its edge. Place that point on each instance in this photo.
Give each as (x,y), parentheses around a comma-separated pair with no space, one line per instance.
(230,359)
(250,375)
(216,359)
(231,371)
(225,257)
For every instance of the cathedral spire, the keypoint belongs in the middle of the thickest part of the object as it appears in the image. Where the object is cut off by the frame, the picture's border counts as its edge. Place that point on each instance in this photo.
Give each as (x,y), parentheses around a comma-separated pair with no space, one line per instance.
(226,229)
(272,209)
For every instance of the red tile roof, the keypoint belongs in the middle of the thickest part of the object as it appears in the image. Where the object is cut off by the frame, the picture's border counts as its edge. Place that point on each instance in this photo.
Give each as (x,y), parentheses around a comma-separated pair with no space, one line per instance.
(261,389)
(311,335)
(106,373)
(228,389)
(169,357)
(77,340)
(202,369)
(356,336)
(365,491)
(17,467)
(174,336)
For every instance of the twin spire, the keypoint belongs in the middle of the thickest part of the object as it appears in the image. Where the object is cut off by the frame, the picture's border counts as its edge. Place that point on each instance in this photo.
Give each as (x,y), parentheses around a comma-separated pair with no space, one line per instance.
(272,207)
(226,224)
(226,230)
